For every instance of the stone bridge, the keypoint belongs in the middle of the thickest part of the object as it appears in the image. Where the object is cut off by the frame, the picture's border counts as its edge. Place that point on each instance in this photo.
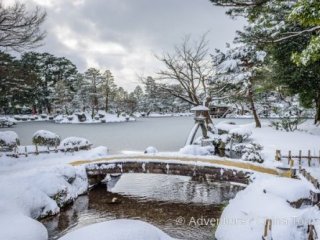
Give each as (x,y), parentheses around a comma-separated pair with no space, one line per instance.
(202,168)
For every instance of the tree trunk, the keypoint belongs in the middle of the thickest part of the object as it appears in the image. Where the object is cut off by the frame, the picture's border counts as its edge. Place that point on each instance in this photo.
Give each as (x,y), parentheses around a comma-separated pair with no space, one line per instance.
(207,114)
(106,108)
(317,117)
(253,108)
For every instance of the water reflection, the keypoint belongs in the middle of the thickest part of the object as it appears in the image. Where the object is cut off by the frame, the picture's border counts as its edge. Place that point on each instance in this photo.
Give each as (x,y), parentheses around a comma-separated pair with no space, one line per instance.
(157,199)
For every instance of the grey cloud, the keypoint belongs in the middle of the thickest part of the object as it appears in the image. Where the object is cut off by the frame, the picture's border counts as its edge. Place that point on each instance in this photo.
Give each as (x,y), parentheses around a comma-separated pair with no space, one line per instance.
(125,34)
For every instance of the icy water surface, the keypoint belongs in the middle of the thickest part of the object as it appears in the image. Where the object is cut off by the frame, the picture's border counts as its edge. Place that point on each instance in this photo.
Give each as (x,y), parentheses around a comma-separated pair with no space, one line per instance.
(166,134)
(172,203)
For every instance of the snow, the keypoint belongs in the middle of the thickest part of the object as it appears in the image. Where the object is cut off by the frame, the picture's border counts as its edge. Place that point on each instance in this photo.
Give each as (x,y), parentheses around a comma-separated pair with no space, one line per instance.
(72,142)
(243,131)
(267,198)
(23,228)
(9,138)
(196,150)
(122,229)
(225,126)
(32,188)
(45,134)
(200,108)
(151,150)
(106,118)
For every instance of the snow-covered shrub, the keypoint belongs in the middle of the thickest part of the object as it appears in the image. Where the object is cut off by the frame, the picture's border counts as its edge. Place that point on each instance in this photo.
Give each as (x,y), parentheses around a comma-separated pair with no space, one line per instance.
(225,127)
(45,138)
(9,139)
(70,117)
(220,141)
(150,149)
(43,116)
(287,123)
(252,152)
(240,134)
(197,150)
(75,143)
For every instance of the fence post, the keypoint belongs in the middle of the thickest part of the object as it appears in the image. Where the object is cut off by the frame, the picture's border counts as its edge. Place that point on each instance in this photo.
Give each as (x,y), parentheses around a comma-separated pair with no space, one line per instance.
(300,154)
(289,157)
(309,158)
(278,155)
(292,171)
(267,230)
(37,151)
(26,151)
(312,233)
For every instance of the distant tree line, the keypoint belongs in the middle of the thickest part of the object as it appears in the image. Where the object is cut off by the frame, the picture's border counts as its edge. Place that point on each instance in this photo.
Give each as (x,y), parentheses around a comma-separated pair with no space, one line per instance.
(49,84)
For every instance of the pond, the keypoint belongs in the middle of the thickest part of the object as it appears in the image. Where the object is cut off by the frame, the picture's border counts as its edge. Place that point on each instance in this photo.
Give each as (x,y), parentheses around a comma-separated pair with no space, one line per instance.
(166,134)
(180,206)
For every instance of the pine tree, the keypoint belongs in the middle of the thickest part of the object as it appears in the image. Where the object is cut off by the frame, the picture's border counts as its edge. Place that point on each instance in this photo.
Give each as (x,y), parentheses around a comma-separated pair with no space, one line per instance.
(237,69)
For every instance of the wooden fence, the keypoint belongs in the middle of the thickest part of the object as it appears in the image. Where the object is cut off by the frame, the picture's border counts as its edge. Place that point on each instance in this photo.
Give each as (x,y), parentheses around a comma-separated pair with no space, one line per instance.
(292,158)
(16,153)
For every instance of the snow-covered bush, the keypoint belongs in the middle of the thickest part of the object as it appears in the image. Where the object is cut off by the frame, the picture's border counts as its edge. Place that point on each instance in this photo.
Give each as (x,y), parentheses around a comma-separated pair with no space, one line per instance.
(150,149)
(286,123)
(220,141)
(197,150)
(9,139)
(45,138)
(252,152)
(75,143)
(225,127)
(240,134)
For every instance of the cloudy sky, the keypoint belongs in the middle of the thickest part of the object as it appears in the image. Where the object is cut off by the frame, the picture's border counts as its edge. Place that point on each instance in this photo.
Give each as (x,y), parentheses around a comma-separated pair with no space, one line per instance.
(125,35)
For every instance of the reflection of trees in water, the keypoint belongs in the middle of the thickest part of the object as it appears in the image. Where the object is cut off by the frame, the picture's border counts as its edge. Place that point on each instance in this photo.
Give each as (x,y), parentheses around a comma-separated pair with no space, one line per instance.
(200,200)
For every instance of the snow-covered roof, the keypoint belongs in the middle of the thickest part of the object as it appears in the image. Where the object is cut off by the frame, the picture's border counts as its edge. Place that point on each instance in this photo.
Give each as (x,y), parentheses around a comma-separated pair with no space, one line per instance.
(200,108)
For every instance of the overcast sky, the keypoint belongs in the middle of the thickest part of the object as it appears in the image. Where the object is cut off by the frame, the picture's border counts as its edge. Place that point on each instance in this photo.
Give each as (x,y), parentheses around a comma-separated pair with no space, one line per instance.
(125,35)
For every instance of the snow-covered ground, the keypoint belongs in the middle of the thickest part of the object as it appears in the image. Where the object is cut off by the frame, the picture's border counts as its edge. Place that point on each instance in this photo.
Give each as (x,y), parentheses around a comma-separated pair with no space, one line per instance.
(269,198)
(36,186)
(122,229)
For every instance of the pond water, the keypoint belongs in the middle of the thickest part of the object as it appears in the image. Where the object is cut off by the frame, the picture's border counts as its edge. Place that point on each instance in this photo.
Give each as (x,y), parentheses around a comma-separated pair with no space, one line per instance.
(166,134)
(177,205)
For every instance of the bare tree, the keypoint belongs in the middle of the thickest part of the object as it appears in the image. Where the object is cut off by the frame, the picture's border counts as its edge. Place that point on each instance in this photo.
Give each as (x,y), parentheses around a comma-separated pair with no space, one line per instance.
(20,28)
(190,67)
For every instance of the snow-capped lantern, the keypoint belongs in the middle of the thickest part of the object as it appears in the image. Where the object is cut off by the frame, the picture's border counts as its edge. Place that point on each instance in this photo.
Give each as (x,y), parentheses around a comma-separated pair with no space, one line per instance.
(200,113)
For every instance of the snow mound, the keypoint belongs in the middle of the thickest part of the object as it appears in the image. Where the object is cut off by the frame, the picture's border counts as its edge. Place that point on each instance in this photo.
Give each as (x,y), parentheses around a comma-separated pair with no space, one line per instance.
(240,134)
(123,229)
(44,137)
(9,139)
(225,127)
(197,150)
(151,149)
(22,226)
(267,198)
(75,142)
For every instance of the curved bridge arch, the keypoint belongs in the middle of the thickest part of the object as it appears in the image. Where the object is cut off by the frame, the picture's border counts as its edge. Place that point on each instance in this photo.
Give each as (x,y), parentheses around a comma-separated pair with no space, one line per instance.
(199,167)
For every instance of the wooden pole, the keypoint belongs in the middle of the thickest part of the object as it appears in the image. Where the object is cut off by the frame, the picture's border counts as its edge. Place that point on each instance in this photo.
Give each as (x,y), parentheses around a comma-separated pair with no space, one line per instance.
(289,157)
(309,158)
(300,153)
(278,155)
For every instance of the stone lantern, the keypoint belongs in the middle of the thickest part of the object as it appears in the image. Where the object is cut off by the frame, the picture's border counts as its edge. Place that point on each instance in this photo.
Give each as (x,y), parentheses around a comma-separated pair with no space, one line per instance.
(200,112)
(200,118)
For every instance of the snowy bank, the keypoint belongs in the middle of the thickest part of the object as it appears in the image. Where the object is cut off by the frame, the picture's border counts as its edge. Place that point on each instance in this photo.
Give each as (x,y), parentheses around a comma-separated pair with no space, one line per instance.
(268,198)
(123,229)
(101,117)
(34,187)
